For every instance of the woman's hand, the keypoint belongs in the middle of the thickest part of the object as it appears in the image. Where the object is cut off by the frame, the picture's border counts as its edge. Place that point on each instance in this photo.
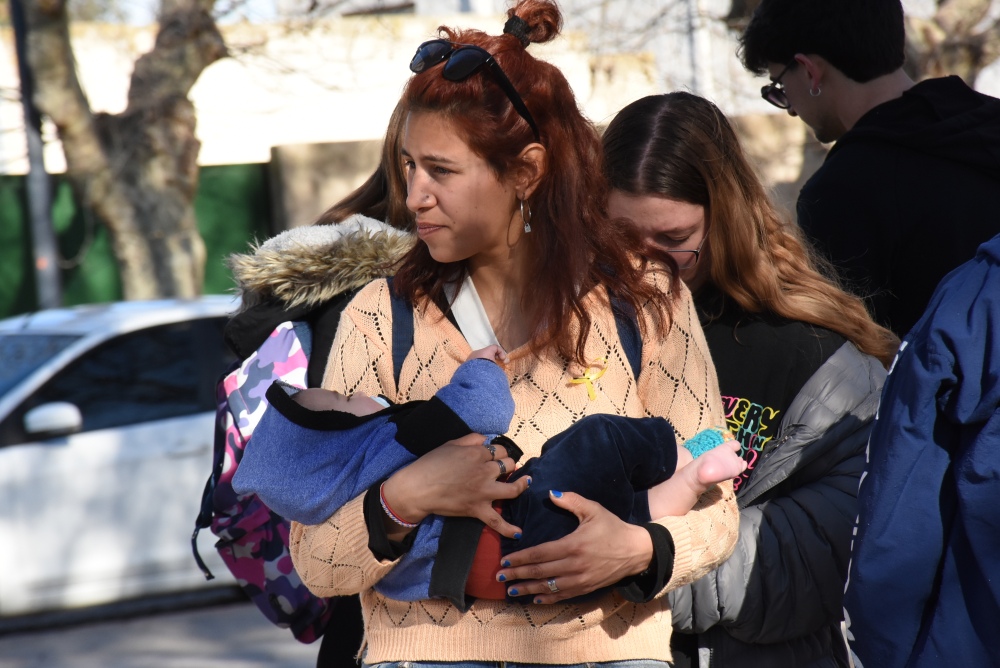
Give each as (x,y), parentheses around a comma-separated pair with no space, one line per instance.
(457,479)
(600,552)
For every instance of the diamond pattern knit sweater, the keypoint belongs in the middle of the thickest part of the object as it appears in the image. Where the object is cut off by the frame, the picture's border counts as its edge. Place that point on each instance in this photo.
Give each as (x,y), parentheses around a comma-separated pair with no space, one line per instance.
(677,381)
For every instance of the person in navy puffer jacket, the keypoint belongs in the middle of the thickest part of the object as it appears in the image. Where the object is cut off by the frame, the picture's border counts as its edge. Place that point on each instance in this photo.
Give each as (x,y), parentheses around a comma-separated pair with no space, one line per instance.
(924,583)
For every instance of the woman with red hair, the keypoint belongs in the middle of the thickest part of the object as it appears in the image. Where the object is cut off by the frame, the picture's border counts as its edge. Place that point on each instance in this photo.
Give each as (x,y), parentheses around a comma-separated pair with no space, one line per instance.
(516,249)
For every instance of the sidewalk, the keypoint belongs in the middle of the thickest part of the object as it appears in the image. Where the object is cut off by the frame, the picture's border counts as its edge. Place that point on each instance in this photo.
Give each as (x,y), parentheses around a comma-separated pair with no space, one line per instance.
(234,635)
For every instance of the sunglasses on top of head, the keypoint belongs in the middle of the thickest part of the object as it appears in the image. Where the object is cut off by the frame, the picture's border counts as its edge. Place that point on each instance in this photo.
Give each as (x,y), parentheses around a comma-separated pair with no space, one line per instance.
(464,60)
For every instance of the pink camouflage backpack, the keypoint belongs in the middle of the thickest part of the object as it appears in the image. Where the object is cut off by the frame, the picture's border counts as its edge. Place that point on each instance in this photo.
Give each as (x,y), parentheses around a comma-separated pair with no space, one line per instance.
(253,539)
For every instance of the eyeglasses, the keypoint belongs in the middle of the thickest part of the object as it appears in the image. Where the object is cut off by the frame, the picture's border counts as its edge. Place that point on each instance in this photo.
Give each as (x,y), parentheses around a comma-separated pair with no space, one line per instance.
(464,60)
(689,257)
(774,92)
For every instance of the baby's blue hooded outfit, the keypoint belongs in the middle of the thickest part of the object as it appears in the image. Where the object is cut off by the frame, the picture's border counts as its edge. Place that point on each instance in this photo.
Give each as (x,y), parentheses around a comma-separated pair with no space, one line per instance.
(307,464)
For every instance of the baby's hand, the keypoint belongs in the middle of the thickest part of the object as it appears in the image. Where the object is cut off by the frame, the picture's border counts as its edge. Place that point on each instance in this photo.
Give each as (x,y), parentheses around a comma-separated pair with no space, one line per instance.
(494,353)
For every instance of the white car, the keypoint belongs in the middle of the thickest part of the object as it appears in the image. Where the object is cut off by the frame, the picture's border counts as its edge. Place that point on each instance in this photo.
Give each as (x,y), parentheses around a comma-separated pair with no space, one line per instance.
(106,436)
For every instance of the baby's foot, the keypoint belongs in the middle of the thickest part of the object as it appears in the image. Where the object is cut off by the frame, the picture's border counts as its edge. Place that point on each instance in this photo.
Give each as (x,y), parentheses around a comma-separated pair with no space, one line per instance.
(721,463)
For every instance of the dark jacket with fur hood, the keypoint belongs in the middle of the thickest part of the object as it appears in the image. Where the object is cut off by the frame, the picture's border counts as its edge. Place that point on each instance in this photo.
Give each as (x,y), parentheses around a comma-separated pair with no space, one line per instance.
(309,274)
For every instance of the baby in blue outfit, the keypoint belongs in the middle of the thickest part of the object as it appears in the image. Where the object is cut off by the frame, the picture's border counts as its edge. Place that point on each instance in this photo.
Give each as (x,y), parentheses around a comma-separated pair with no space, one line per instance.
(314,450)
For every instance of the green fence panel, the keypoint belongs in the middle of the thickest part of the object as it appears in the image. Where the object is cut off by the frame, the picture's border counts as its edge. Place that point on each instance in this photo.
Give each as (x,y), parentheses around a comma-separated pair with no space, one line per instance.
(88,267)
(17,277)
(232,208)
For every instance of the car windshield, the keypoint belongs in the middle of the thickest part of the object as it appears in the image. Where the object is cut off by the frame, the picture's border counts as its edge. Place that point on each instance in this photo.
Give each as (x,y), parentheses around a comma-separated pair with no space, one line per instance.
(22,354)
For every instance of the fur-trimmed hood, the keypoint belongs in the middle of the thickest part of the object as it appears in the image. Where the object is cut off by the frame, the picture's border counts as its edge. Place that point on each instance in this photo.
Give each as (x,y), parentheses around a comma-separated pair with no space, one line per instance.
(306,266)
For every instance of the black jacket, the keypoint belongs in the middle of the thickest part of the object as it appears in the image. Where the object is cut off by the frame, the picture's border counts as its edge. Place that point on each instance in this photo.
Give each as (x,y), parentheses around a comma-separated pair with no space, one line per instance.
(907,195)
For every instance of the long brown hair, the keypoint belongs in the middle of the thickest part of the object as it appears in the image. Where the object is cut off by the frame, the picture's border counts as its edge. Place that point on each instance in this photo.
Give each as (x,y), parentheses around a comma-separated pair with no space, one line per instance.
(383,195)
(681,146)
(574,246)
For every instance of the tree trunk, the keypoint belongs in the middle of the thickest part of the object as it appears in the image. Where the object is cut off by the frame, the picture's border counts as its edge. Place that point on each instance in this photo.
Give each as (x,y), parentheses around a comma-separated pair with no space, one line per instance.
(137,171)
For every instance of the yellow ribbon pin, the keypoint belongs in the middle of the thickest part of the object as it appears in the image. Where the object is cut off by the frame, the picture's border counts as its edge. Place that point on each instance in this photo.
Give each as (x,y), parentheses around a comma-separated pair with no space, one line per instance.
(594,371)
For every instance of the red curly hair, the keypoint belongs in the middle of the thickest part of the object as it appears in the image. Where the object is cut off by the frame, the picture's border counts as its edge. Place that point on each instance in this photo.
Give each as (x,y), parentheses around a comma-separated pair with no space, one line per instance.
(574,246)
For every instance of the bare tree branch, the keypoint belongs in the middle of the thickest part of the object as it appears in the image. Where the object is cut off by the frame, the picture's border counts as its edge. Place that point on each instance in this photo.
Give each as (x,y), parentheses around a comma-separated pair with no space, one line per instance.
(188,41)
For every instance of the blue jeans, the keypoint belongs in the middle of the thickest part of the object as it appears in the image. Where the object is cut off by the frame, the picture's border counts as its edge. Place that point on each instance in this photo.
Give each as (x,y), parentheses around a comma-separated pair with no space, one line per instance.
(638,663)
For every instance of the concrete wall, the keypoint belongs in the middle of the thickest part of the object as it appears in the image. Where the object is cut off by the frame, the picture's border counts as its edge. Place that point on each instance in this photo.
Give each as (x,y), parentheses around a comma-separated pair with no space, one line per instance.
(307,178)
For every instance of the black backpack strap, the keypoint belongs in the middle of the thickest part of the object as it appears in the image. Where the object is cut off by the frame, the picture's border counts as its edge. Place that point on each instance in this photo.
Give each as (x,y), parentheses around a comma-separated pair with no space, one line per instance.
(628,332)
(207,509)
(402,329)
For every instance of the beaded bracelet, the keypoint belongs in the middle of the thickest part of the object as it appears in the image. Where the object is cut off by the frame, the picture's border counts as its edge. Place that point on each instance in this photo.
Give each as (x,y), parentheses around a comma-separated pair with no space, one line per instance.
(388,511)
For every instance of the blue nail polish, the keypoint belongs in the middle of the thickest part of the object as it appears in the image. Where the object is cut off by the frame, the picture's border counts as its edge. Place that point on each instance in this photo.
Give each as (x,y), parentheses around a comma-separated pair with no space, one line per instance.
(517,535)
(502,577)
(512,591)
(537,600)
(529,481)
(505,563)
(555,493)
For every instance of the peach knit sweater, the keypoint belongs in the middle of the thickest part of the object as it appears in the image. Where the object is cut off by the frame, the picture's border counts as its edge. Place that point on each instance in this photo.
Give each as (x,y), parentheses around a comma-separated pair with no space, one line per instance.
(677,381)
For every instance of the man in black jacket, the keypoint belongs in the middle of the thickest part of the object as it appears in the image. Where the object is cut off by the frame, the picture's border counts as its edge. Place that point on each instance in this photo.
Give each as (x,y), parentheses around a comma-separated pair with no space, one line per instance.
(912,186)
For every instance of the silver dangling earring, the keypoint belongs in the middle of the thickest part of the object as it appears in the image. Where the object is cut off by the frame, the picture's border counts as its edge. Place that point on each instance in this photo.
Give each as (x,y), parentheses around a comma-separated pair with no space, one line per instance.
(815,93)
(526,218)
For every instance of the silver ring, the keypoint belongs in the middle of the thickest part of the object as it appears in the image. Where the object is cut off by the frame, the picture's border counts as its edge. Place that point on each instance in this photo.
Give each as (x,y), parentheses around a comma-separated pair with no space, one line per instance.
(551,582)
(491,448)
(503,467)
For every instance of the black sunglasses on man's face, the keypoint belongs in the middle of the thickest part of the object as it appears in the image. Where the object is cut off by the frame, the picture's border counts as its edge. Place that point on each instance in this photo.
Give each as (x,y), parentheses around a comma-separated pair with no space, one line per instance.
(464,60)
(774,92)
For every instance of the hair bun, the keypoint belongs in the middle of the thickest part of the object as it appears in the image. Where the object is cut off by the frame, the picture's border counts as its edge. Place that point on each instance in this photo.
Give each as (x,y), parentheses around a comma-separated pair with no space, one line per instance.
(519,28)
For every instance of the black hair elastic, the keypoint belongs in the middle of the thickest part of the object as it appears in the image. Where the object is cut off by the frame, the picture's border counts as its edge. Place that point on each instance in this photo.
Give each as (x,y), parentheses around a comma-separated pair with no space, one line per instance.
(519,28)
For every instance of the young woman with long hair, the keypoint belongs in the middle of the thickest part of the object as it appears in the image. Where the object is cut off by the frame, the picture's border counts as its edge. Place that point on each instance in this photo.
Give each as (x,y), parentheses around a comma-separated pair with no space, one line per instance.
(800,365)
(510,213)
